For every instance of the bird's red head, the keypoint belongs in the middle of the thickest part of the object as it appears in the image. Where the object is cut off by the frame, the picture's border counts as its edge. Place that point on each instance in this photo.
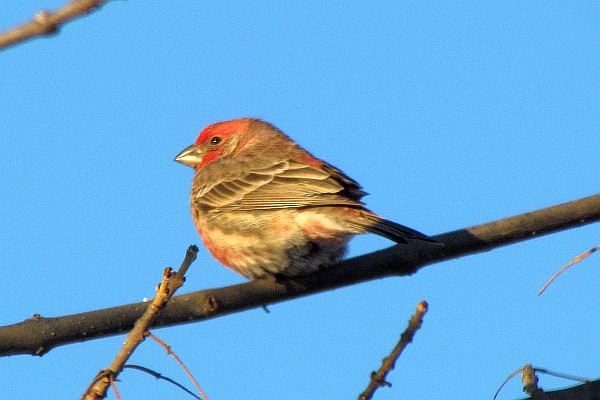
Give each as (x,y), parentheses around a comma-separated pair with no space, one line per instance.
(215,141)
(222,130)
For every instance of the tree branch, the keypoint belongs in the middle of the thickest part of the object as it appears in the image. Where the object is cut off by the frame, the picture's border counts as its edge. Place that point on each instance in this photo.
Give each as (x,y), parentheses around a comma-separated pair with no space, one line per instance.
(171,282)
(388,364)
(38,335)
(46,23)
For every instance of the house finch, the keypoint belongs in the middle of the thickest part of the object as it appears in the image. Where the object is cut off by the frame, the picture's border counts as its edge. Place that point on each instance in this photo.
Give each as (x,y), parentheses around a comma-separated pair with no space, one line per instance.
(264,205)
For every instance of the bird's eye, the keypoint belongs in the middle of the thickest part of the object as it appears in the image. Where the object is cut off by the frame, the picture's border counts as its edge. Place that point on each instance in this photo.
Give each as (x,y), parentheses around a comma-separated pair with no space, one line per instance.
(215,140)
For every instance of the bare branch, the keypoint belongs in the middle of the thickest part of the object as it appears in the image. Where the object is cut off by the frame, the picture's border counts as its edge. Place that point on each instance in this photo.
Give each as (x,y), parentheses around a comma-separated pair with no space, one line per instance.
(46,23)
(37,335)
(181,364)
(564,268)
(160,376)
(171,281)
(586,391)
(378,378)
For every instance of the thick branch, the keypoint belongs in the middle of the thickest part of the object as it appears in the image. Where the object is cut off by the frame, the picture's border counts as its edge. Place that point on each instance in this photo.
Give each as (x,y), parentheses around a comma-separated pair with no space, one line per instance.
(38,335)
(46,23)
(585,391)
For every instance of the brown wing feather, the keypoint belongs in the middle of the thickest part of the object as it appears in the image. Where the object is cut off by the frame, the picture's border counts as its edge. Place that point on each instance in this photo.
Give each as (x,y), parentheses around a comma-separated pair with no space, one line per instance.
(287,184)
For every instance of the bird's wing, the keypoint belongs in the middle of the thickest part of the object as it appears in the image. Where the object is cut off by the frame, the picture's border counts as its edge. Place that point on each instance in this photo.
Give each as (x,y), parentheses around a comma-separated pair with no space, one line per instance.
(287,184)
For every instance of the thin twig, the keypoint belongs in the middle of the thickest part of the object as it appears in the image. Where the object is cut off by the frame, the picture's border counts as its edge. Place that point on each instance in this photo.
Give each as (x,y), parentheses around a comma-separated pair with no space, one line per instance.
(46,23)
(378,378)
(531,380)
(573,262)
(181,364)
(158,375)
(508,378)
(561,375)
(113,385)
(166,289)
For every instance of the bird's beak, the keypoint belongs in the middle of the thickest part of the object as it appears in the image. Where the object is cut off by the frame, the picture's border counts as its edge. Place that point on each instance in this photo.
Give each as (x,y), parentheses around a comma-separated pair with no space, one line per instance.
(190,156)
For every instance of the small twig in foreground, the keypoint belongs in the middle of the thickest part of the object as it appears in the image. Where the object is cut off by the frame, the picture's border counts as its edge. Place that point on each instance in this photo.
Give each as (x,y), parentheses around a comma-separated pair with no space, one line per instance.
(113,386)
(181,364)
(574,261)
(531,380)
(508,378)
(528,378)
(561,375)
(166,289)
(378,378)
(159,376)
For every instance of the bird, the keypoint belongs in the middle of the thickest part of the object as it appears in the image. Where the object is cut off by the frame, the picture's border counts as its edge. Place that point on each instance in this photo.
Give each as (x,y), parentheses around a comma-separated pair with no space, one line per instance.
(264,206)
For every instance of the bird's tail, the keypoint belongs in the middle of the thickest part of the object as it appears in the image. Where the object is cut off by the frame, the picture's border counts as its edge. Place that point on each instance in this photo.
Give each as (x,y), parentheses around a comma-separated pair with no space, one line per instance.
(373,223)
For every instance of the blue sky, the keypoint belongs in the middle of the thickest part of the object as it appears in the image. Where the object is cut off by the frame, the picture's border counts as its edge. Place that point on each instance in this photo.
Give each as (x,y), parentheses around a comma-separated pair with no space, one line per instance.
(450,115)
